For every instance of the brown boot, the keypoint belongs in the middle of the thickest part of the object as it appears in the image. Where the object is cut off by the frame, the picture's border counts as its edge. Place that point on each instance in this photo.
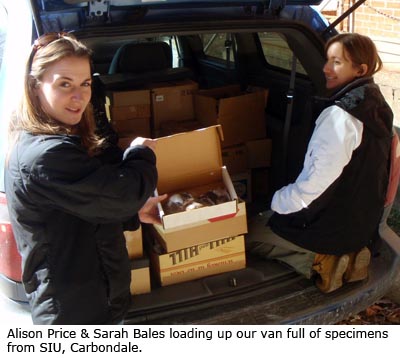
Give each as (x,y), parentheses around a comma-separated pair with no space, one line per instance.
(330,269)
(357,269)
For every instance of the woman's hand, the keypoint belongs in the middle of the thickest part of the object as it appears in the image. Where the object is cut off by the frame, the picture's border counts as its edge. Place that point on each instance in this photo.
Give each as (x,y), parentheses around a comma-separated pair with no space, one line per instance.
(149,214)
(147,142)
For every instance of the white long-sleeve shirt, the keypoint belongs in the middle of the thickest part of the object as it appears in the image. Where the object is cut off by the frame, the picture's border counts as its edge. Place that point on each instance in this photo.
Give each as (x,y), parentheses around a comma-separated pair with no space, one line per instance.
(336,135)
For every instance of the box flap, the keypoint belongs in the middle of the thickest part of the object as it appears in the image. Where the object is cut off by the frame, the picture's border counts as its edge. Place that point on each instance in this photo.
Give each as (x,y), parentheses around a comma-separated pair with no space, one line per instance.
(186,157)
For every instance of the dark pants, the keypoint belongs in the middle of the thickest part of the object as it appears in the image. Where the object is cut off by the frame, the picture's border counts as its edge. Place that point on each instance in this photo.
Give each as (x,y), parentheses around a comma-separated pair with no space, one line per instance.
(262,241)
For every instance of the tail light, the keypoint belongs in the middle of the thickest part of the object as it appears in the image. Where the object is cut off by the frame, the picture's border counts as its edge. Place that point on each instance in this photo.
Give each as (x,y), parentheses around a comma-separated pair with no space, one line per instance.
(10,259)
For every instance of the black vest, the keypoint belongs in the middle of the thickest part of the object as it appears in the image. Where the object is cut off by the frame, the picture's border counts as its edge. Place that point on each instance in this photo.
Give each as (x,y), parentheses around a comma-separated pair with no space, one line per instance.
(346,216)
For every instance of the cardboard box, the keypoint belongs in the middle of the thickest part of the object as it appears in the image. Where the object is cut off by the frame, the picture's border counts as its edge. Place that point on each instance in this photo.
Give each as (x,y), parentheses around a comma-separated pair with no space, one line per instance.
(125,142)
(235,158)
(125,105)
(132,128)
(134,243)
(259,153)
(242,183)
(204,231)
(173,127)
(124,113)
(172,101)
(128,98)
(241,114)
(192,161)
(140,276)
(198,261)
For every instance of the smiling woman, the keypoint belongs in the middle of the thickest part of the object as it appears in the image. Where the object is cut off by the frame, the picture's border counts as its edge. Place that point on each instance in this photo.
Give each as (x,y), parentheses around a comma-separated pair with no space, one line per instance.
(58,90)
(65,89)
(63,214)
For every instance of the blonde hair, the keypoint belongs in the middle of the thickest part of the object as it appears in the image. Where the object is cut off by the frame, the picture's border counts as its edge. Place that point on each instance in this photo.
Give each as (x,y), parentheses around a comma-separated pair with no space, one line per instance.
(361,50)
(30,115)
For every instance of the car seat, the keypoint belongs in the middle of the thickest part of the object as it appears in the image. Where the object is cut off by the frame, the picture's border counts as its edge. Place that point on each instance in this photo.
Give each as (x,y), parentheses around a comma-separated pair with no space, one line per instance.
(136,64)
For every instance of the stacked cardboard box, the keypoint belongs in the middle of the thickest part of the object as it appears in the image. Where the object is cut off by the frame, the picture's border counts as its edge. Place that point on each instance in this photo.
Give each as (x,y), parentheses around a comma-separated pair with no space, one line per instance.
(242,116)
(167,108)
(210,239)
(140,265)
(250,161)
(134,243)
(197,261)
(140,276)
(159,109)
(171,103)
(192,161)
(235,159)
(129,113)
(240,113)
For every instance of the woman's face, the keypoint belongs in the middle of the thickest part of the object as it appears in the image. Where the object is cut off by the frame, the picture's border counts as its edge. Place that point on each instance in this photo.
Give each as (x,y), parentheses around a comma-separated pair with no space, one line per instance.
(339,69)
(65,89)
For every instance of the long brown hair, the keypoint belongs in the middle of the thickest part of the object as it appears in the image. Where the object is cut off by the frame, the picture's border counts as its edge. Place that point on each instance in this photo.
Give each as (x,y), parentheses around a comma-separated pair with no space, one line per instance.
(361,50)
(30,115)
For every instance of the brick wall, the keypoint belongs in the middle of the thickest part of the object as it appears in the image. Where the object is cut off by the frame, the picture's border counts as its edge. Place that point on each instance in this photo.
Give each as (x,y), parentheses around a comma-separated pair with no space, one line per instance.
(375,18)
(378,18)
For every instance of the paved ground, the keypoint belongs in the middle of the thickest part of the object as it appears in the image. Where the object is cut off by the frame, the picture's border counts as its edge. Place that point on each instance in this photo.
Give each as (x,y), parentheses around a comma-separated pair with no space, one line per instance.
(12,313)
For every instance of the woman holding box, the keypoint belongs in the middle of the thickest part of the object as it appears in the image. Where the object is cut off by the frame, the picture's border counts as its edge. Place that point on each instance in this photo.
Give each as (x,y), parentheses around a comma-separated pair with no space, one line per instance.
(67,205)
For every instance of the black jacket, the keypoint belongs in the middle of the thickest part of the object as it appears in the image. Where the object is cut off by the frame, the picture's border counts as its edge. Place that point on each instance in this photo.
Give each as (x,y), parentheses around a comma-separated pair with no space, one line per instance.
(346,216)
(67,210)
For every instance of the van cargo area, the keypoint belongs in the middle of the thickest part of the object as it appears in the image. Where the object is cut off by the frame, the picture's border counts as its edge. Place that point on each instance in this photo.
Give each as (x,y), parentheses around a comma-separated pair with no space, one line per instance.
(231,98)
(248,102)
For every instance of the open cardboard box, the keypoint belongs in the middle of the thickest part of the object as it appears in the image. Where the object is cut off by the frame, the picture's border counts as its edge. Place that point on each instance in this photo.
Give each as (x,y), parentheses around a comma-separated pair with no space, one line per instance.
(203,231)
(192,161)
(241,113)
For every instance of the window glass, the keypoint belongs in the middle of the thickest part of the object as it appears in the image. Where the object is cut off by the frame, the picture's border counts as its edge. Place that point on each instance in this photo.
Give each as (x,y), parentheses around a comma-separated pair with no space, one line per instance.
(3,31)
(277,52)
(219,46)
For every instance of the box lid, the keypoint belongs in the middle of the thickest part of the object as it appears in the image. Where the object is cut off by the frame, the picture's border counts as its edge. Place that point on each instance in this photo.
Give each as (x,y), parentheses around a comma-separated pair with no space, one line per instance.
(189,159)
